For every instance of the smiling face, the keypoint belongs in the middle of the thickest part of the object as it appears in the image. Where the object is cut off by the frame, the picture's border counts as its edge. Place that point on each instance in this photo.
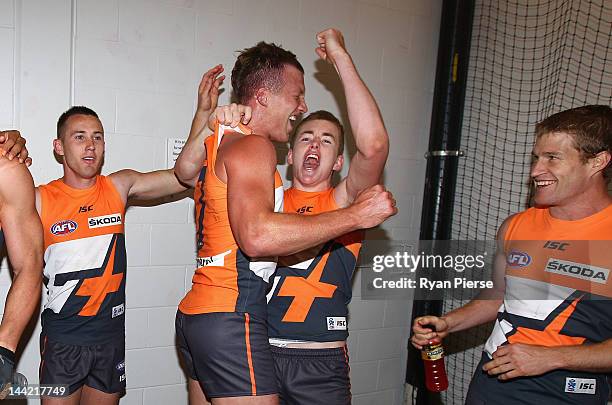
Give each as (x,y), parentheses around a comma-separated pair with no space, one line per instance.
(315,155)
(561,176)
(81,143)
(284,106)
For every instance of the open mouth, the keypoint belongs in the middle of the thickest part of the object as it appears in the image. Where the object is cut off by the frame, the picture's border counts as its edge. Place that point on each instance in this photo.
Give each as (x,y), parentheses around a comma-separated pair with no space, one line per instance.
(292,121)
(543,183)
(311,161)
(89,159)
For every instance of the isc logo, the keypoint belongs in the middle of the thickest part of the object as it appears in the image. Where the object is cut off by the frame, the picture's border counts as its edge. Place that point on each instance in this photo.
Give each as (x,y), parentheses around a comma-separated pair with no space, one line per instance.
(518,259)
(551,244)
(63,227)
(304,209)
(336,323)
(580,385)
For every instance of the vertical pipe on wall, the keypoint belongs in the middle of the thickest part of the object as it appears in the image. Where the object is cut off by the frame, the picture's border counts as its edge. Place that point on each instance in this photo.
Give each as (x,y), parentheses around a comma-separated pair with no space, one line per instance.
(443,153)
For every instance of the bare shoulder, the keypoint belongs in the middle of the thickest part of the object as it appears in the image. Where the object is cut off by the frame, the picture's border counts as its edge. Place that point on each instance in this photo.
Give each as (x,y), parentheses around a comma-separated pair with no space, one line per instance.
(123,180)
(251,147)
(503,228)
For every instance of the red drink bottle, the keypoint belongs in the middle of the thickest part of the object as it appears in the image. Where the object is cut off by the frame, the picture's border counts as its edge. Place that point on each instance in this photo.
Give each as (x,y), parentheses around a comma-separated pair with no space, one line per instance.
(435,372)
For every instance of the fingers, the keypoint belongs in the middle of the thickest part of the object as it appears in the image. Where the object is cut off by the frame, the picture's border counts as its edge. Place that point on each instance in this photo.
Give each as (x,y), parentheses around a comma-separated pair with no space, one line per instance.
(321,53)
(24,155)
(501,351)
(246,116)
(217,83)
(12,144)
(330,40)
(211,74)
(6,148)
(233,114)
(427,331)
(498,366)
(437,325)
(236,115)
(422,339)
(394,209)
(208,90)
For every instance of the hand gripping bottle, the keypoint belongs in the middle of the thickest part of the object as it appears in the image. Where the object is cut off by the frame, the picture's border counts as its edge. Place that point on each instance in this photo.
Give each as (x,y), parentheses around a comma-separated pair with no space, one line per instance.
(435,373)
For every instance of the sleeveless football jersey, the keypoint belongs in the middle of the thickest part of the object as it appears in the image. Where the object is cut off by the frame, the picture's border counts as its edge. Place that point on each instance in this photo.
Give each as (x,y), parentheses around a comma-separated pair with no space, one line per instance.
(85,262)
(311,290)
(226,279)
(558,289)
(558,293)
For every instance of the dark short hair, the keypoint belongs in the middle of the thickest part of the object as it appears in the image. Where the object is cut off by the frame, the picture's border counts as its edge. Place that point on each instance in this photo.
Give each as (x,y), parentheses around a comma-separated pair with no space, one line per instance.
(75,110)
(325,116)
(260,66)
(590,127)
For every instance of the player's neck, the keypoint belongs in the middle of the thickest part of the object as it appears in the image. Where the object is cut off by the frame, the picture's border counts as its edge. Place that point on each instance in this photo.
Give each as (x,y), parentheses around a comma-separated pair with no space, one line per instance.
(259,128)
(75,181)
(588,204)
(311,188)
(260,124)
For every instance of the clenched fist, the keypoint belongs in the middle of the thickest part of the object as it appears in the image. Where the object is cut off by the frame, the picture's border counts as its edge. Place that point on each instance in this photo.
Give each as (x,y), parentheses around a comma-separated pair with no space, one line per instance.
(373,206)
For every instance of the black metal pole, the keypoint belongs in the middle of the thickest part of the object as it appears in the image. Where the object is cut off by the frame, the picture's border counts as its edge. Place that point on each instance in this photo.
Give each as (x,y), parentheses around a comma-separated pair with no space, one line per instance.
(443,154)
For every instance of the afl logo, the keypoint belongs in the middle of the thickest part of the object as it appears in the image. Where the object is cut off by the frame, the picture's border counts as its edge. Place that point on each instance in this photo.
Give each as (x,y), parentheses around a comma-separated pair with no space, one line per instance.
(518,259)
(63,227)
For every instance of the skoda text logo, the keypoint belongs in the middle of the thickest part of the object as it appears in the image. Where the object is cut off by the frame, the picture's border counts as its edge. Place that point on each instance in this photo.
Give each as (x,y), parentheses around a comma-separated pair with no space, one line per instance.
(578,270)
(518,259)
(105,220)
(63,227)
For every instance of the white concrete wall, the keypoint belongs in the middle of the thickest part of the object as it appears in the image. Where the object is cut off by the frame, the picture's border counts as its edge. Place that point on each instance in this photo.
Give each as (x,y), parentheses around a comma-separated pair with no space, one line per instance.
(138,63)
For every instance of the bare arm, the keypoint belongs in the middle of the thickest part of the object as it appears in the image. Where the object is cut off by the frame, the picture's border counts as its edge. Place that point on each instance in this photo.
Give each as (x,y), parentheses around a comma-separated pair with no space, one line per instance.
(371,137)
(523,360)
(259,231)
(596,358)
(480,310)
(188,164)
(146,186)
(23,234)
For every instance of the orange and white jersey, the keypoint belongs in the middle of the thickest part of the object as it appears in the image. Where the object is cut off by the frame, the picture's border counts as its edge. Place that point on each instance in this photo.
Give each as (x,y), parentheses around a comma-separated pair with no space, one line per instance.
(558,281)
(226,280)
(85,262)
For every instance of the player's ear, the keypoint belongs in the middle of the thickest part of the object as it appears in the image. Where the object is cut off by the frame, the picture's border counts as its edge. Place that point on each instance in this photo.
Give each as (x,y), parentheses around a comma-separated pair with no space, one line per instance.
(262,95)
(58,147)
(600,161)
(339,163)
(290,157)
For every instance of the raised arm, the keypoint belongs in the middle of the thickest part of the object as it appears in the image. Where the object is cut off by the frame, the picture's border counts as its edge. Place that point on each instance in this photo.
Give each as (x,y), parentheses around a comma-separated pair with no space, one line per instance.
(23,234)
(370,135)
(259,231)
(146,186)
(188,164)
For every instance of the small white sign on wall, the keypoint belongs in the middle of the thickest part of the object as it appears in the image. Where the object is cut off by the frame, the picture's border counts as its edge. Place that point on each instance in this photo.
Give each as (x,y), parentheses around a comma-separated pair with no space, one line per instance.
(173,150)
